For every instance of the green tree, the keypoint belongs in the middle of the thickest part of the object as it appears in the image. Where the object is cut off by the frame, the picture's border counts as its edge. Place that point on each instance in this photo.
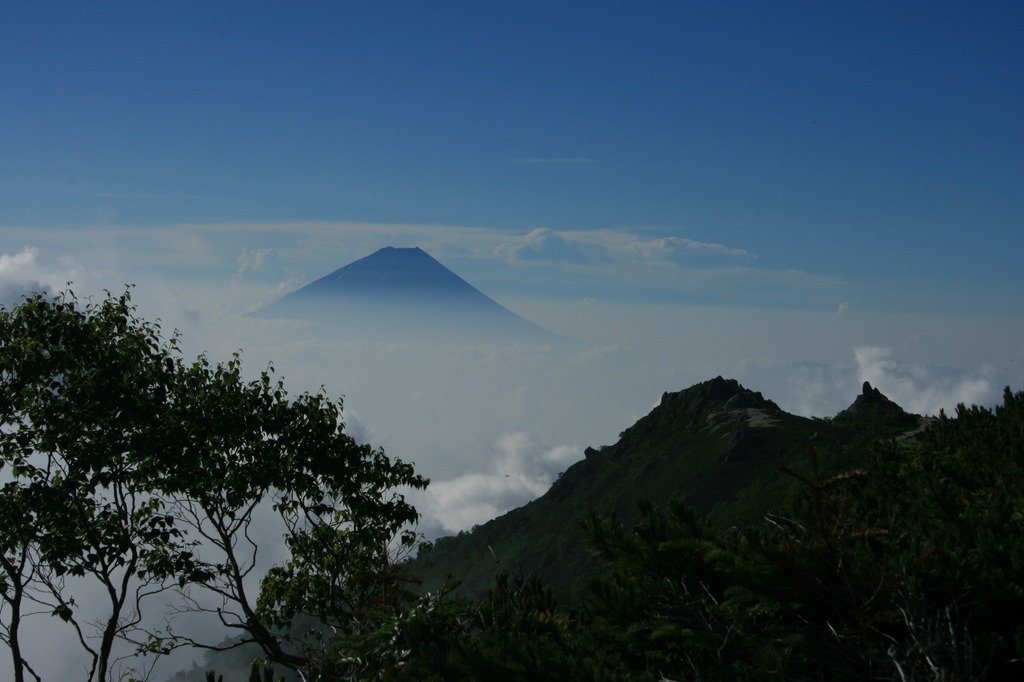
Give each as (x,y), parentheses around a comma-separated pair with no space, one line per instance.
(21,568)
(129,467)
(515,633)
(906,569)
(81,391)
(954,504)
(687,600)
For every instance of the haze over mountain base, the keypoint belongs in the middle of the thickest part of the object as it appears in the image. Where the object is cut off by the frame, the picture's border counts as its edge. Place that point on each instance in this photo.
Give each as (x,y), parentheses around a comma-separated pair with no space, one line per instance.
(404,295)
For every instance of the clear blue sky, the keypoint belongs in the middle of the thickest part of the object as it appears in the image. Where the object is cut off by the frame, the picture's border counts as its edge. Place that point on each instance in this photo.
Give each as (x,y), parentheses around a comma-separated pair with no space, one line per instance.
(875,142)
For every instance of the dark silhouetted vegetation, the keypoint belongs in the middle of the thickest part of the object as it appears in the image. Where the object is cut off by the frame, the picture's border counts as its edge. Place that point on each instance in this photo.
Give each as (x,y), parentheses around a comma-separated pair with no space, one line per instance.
(131,472)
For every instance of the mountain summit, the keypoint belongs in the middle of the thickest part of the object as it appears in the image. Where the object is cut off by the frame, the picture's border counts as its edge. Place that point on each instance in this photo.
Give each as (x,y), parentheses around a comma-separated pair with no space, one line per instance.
(721,448)
(406,294)
(393,275)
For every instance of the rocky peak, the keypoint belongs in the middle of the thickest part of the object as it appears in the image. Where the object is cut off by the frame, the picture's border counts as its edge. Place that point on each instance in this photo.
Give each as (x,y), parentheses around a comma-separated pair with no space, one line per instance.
(718,393)
(872,406)
(404,294)
(874,399)
(709,404)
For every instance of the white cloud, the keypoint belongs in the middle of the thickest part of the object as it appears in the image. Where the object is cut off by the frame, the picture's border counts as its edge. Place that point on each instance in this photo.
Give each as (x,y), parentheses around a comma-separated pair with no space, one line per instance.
(808,389)
(522,468)
(253,261)
(922,388)
(542,244)
(358,429)
(22,274)
(680,249)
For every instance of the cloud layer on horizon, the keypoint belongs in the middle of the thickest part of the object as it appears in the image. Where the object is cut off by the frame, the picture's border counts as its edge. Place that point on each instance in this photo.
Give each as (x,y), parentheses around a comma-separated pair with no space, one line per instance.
(619,263)
(450,409)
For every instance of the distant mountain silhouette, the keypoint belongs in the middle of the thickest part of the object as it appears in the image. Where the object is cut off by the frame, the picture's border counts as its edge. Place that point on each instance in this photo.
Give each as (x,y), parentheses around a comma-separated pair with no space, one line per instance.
(404,294)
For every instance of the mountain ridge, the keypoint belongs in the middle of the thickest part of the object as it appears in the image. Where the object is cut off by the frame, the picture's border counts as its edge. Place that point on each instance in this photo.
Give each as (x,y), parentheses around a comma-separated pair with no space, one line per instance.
(717,446)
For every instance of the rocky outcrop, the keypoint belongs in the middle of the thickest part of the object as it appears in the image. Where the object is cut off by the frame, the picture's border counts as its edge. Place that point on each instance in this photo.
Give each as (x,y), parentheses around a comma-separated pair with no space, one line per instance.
(873,399)
(718,394)
(872,406)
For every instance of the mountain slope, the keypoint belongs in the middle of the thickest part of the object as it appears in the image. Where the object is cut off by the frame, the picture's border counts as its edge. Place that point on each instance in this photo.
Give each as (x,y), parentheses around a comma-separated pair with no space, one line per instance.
(404,294)
(716,445)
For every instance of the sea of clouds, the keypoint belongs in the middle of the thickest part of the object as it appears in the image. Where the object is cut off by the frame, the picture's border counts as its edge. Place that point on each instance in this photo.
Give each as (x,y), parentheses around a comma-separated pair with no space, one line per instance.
(493,426)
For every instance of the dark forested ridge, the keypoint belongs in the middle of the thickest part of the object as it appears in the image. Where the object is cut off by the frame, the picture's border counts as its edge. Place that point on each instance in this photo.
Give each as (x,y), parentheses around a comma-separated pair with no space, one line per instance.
(723,539)
(895,552)
(716,446)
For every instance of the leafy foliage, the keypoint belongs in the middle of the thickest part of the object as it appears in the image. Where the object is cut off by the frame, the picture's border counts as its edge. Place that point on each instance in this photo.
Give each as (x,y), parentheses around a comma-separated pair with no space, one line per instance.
(132,468)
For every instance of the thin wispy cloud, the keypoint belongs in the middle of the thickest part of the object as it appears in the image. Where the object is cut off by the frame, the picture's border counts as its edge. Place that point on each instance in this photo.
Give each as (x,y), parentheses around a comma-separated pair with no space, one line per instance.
(120,195)
(674,248)
(617,262)
(555,159)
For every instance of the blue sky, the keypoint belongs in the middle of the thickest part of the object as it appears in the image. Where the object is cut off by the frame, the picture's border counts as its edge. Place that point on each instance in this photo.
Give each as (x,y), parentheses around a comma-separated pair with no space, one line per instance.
(876,142)
(802,195)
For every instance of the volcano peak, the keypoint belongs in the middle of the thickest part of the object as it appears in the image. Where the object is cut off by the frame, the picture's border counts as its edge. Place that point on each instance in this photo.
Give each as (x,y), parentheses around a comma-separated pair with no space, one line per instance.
(404,293)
